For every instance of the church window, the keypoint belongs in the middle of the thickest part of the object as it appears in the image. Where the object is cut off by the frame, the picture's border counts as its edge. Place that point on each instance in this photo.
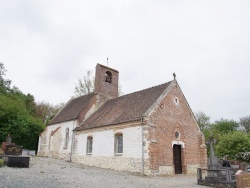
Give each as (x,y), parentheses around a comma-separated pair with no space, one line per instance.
(89,144)
(177,135)
(66,138)
(118,143)
(176,100)
(108,77)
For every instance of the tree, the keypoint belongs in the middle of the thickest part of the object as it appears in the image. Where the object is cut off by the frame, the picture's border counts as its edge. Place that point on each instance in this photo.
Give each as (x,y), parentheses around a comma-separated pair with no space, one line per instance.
(46,111)
(15,119)
(245,123)
(224,126)
(18,115)
(232,143)
(203,120)
(4,83)
(87,84)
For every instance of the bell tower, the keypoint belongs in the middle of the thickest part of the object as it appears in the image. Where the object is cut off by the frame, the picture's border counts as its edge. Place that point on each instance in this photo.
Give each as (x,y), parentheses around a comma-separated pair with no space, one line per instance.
(106,83)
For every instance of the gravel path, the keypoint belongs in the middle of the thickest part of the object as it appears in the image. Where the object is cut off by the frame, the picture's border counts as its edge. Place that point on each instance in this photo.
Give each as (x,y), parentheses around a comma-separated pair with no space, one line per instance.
(53,173)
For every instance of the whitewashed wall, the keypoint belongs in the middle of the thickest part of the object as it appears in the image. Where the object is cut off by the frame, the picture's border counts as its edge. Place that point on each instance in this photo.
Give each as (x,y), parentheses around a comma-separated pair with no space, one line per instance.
(103,149)
(56,149)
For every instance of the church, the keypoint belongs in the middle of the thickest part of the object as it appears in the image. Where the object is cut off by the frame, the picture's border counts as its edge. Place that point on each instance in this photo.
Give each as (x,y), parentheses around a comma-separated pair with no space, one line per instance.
(151,131)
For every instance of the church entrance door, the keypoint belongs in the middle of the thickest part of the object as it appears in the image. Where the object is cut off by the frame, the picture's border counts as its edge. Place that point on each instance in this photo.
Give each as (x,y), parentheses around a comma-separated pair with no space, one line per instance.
(177,159)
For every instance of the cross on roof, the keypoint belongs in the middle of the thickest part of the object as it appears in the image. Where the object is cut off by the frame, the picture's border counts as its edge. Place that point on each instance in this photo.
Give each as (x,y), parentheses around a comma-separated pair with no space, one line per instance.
(174,75)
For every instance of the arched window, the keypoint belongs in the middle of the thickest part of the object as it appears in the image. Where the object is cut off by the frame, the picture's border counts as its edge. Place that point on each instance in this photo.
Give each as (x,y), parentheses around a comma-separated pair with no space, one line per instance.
(119,143)
(66,138)
(89,144)
(50,137)
(108,77)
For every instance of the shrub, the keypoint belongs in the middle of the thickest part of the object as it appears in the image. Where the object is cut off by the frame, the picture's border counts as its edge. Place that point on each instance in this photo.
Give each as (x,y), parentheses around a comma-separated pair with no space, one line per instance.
(1,162)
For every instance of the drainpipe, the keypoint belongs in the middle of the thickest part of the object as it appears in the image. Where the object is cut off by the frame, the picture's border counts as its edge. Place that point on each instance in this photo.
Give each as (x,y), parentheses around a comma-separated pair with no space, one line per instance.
(72,142)
(142,151)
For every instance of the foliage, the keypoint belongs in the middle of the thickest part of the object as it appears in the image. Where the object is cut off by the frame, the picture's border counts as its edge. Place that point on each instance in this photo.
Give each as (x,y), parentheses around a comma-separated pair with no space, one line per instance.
(46,111)
(16,120)
(203,120)
(243,157)
(4,83)
(18,114)
(87,84)
(232,143)
(1,162)
(245,123)
(225,125)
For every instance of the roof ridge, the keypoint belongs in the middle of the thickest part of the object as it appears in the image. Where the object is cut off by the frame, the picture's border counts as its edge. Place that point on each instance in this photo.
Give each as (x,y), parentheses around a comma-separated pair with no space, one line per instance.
(73,98)
(142,90)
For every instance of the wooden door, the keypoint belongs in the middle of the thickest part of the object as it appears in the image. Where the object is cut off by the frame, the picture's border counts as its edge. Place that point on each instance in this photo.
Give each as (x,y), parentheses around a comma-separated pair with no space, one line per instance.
(177,159)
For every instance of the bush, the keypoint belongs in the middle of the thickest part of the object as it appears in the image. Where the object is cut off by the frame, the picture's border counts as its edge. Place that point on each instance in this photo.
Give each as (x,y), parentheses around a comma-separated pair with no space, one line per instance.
(1,162)
(233,144)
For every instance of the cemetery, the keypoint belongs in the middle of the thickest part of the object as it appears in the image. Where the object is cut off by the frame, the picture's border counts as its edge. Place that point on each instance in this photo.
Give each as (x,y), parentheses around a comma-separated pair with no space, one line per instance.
(13,155)
(219,175)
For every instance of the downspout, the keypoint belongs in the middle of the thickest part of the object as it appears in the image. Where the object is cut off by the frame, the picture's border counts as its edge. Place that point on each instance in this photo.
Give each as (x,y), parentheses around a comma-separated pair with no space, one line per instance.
(142,151)
(72,143)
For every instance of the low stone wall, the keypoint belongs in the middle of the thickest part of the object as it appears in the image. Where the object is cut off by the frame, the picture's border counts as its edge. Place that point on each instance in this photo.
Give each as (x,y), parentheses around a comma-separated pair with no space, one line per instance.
(116,163)
(192,169)
(217,184)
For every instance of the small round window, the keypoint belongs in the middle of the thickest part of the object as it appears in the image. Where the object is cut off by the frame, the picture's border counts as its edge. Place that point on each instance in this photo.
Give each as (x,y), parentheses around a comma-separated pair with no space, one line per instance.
(177,134)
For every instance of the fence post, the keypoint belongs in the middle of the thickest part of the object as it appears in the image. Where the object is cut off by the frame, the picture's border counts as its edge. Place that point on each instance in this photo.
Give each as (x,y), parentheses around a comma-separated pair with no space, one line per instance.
(228,175)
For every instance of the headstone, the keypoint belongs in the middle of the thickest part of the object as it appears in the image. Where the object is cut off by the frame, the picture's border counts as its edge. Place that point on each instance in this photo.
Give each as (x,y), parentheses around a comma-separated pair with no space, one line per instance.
(242,179)
(4,145)
(25,152)
(8,139)
(13,149)
(213,163)
(17,161)
(217,176)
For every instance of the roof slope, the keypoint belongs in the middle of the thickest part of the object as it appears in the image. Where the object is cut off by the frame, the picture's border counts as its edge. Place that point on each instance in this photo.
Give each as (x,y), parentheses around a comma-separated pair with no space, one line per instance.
(125,108)
(72,109)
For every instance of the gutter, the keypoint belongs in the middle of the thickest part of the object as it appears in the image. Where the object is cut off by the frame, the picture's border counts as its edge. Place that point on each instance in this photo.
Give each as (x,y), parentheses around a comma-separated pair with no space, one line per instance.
(142,151)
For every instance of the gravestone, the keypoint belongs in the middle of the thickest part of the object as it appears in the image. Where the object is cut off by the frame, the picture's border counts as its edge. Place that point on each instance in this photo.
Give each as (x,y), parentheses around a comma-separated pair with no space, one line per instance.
(242,179)
(12,149)
(213,163)
(17,161)
(12,155)
(217,176)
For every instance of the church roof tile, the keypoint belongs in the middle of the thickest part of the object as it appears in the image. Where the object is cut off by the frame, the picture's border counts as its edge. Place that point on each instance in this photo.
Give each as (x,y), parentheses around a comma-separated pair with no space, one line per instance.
(72,109)
(123,109)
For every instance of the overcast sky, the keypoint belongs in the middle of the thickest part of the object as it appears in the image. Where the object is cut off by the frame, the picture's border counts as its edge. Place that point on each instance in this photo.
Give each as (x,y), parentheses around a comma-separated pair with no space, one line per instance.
(46,45)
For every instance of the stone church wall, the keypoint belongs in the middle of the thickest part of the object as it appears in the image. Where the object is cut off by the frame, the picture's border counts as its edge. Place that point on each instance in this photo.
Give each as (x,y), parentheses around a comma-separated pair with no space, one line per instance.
(52,141)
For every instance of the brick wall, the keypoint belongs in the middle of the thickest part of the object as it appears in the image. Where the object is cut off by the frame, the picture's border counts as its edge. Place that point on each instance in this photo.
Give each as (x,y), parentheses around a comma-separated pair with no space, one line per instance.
(106,89)
(171,115)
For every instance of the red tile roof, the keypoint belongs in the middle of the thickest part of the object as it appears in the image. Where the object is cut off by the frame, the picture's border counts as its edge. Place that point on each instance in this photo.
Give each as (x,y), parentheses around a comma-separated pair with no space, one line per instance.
(72,109)
(123,109)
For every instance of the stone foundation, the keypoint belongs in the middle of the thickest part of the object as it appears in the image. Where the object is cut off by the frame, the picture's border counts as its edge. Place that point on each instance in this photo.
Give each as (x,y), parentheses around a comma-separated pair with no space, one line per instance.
(192,169)
(116,163)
